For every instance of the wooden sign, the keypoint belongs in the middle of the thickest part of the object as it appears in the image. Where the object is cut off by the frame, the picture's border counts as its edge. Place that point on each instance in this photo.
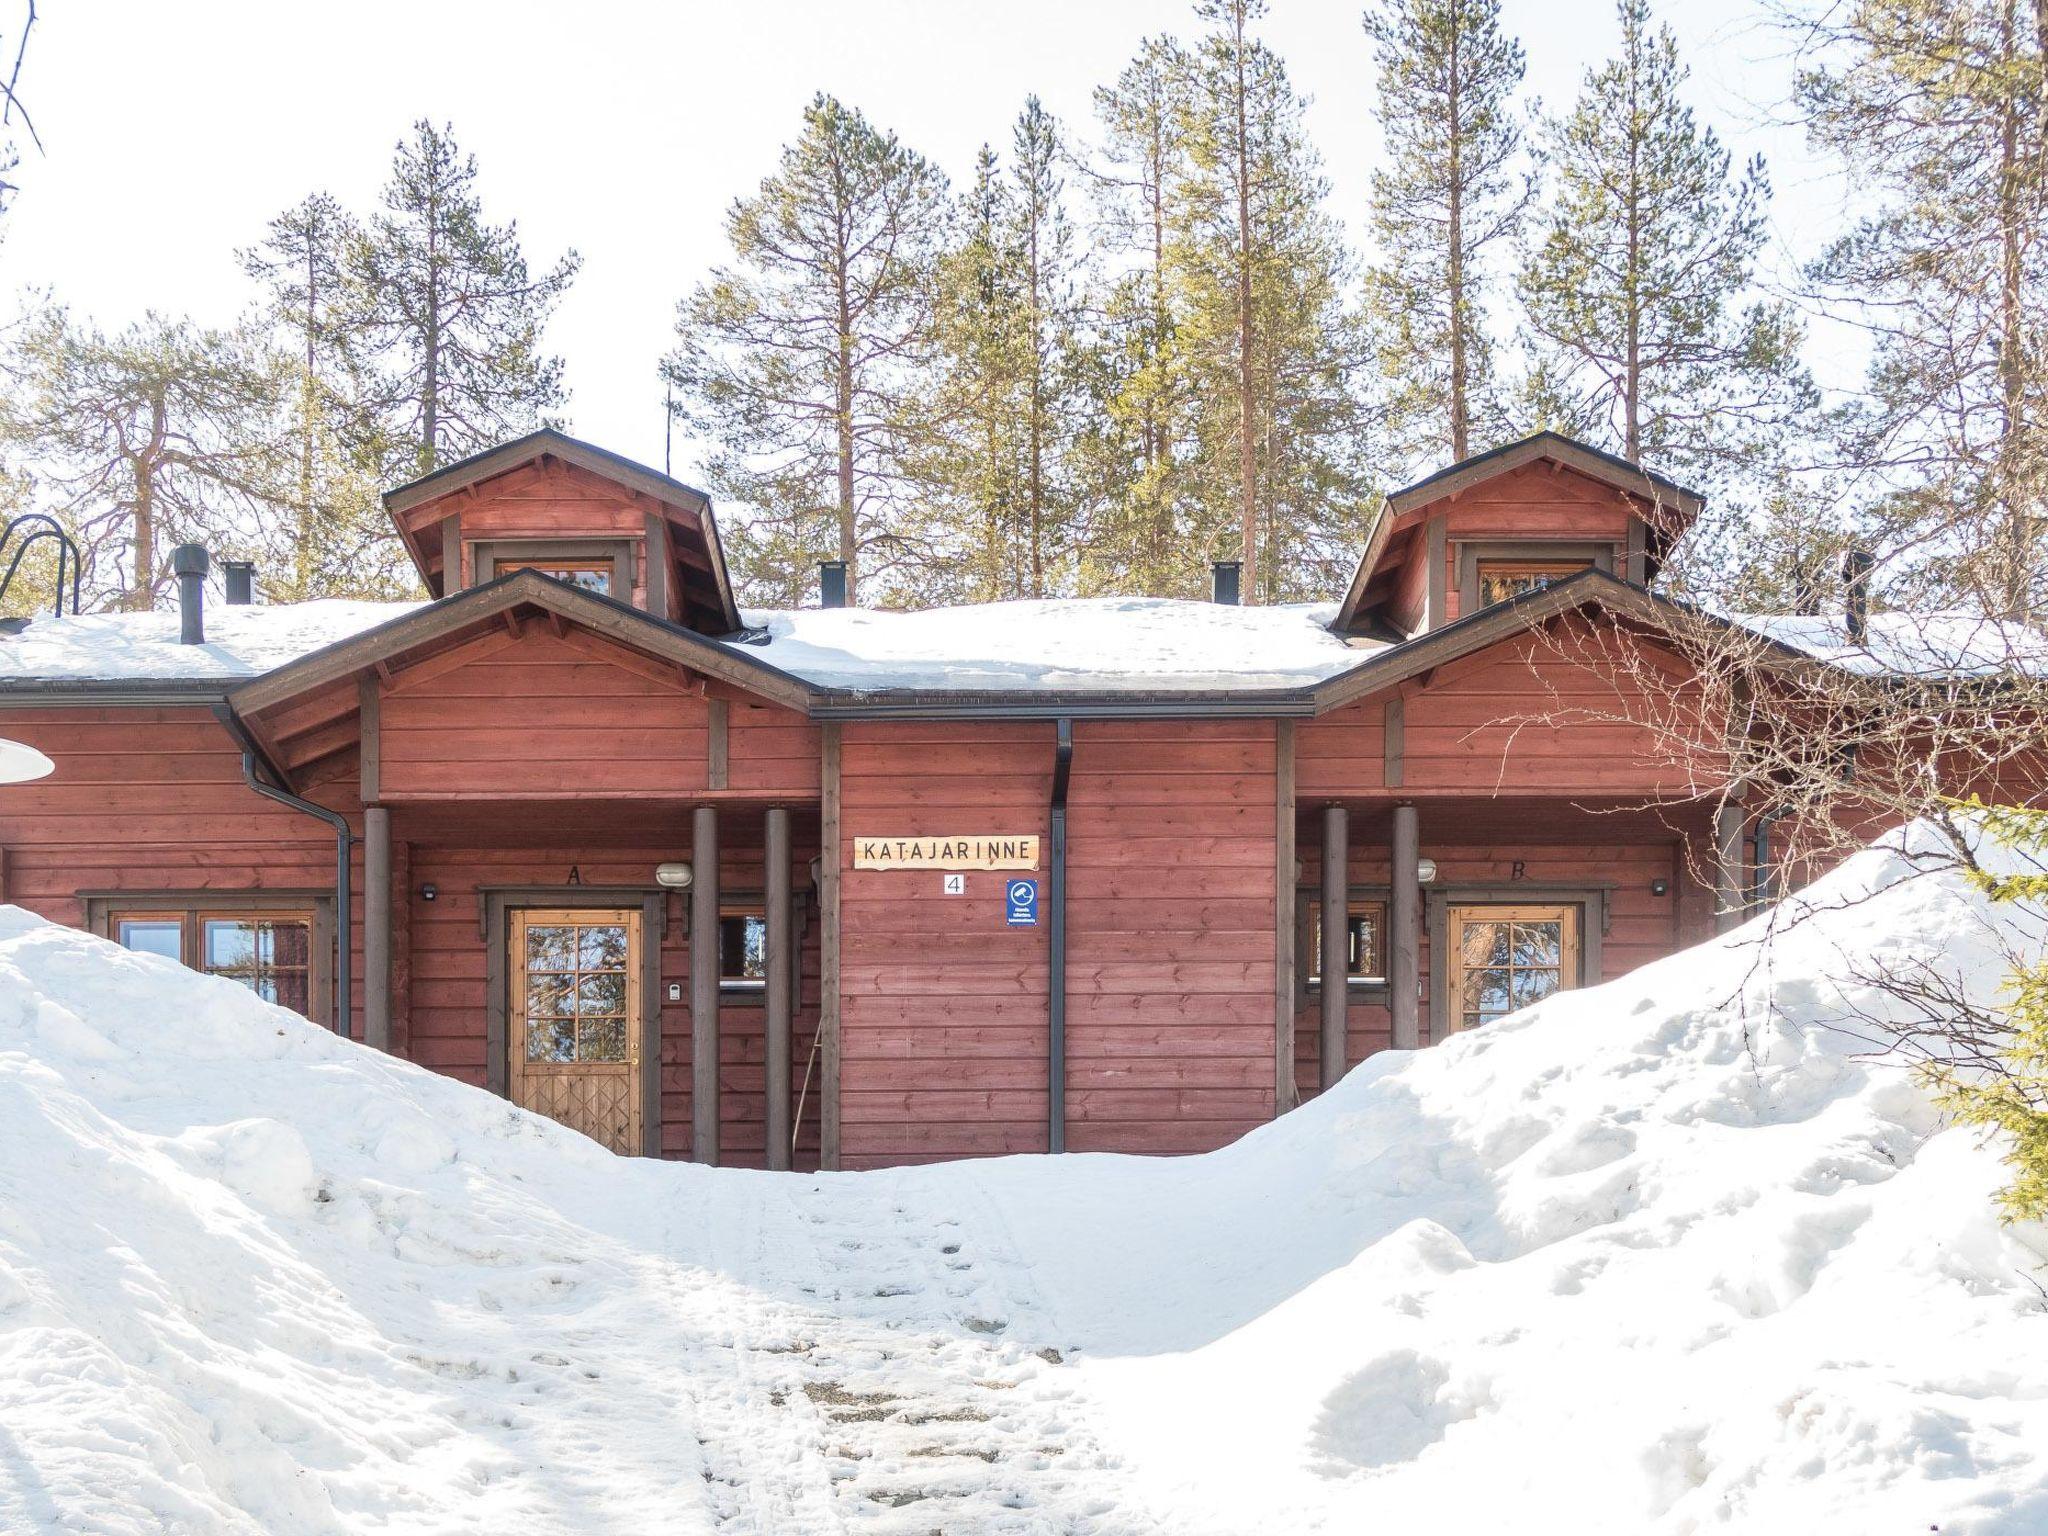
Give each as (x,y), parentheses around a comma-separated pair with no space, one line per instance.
(945,852)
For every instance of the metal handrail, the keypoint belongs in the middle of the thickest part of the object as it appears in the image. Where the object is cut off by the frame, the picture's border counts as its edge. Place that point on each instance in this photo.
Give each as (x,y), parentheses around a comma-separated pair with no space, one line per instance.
(67,554)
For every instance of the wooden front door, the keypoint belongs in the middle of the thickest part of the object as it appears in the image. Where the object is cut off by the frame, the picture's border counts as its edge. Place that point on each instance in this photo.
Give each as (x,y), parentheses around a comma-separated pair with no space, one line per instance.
(575,1019)
(1507,957)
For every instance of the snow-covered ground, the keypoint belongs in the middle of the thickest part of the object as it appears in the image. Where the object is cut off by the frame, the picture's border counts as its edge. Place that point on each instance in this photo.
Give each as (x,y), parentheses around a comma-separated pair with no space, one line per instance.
(1663,1256)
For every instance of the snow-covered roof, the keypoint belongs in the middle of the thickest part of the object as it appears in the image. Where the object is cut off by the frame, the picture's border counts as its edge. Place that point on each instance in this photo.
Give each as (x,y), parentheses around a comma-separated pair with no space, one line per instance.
(1951,644)
(1065,644)
(241,641)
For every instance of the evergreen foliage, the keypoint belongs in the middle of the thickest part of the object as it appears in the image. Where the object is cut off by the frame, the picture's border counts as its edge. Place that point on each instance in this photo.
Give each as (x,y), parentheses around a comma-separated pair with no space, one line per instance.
(1449,188)
(1637,282)
(808,362)
(1939,110)
(2012,1095)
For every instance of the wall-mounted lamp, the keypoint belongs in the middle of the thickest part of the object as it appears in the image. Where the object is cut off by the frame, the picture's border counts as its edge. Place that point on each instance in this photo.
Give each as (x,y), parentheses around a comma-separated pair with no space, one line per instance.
(1659,887)
(429,891)
(1425,870)
(674,877)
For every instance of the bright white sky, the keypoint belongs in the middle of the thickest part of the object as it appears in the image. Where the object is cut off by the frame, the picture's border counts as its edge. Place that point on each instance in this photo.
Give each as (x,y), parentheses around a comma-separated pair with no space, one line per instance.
(174,132)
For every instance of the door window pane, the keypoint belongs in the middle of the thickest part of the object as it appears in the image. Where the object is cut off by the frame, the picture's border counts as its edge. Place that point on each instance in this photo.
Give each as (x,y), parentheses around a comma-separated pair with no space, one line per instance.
(1507,958)
(575,996)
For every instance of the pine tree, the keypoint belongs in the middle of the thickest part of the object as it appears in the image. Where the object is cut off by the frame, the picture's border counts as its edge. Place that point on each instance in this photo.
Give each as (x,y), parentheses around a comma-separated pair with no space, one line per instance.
(449,313)
(808,361)
(337,540)
(978,453)
(1136,426)
(1448,190)
(1265,274)
(162,434)
(1635,288)
(1939,109)
(1046,264)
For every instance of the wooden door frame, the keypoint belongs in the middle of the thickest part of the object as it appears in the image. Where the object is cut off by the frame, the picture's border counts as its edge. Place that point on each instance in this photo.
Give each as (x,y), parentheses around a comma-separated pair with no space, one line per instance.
(1595,913)
(497,905)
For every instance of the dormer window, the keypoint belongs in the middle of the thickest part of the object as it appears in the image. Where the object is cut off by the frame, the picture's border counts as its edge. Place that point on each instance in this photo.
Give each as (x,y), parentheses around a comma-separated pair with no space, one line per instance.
(1500,580)
(592,575)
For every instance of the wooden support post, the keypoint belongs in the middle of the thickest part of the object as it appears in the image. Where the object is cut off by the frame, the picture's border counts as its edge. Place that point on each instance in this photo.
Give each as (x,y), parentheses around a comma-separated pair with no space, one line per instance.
(377,927)
(401,949)
(717,744)
(1730,904)
(704,985)
(776,999)
(828,948)
(1285,1093)
(1404,937)
(1436,576)
(1336,949)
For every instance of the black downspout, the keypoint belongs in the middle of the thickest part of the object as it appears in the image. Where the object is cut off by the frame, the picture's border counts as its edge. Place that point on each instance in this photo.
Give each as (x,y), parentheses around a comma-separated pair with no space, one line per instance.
(252,755)
(1056,959)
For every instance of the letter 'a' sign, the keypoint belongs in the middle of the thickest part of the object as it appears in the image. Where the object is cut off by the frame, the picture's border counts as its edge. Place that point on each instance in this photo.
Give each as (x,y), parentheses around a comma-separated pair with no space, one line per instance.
(945,852)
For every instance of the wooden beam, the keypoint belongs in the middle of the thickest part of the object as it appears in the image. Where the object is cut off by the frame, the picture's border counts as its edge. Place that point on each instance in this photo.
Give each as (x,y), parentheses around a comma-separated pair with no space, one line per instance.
(1394,742)
(658,561)
(401,948)
(1285,1095)
(776,961)
(1335,964)
(1436,578)
(514,624)
(717,744)
(1404,937)
(451,555)
(377,927)
(704,967)
(370,739)
(828,947)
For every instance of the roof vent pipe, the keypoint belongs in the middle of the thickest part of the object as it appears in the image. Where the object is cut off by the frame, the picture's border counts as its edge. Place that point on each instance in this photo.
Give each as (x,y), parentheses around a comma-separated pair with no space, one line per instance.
(1857,565)
(188,562)
(1227,574)
(239,578)
(832,583)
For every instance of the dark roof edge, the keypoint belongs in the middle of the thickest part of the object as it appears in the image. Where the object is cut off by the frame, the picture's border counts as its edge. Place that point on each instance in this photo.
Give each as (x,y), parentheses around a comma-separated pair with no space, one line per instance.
(480,465)
(117,690)
(1533,445)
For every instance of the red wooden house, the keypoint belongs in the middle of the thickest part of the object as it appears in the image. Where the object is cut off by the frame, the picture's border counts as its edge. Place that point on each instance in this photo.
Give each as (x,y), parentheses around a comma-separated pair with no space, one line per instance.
(854,888)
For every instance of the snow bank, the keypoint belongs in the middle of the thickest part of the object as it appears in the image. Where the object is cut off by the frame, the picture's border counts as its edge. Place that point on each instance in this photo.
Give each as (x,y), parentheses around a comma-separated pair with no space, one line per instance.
(1663,1256)
(1061,643)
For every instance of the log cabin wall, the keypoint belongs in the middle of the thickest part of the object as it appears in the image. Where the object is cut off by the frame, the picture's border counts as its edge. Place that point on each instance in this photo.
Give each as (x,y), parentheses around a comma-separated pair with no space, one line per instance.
(942,1006)
(1170,934)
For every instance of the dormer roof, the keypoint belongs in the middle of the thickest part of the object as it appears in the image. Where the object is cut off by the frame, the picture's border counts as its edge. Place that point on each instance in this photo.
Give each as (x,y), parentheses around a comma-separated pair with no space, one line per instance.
(696,561)
(1664,507)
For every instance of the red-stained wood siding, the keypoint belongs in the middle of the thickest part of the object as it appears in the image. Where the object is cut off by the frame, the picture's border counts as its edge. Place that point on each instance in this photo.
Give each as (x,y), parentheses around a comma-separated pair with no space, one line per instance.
(549,500)
(144,800)
(576,716)
(1170,934)
(1527,716)
(942,1005)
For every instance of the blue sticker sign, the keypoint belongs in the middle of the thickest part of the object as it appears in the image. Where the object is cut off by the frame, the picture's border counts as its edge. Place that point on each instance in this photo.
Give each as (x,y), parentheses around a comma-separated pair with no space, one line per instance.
(1020,902)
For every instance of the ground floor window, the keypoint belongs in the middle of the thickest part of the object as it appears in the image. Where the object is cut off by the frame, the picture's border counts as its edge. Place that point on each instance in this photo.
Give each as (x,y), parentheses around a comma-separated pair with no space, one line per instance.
(1365,941)
(1506,957)
(743,945)
(270,953)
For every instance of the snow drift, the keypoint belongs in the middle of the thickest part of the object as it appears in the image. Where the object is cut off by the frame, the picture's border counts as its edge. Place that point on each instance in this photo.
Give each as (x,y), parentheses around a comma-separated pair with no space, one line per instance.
(1668,1255)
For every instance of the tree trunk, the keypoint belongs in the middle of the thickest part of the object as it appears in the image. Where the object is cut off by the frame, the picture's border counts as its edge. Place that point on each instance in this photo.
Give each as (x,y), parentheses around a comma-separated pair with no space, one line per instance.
(843,410)
(1455,262)
(1632,341)
(143,597)
(1247,461)
(430,403)
(1035,423)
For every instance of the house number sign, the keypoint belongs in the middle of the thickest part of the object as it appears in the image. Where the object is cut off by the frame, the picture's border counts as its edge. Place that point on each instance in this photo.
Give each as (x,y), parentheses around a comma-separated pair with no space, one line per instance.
(945,852)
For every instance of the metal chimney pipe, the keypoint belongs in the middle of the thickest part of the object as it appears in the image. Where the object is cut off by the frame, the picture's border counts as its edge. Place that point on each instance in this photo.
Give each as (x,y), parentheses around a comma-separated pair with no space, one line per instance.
(1227,574)
(1857,565)
(239,578)
(832,583)
(189,564)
